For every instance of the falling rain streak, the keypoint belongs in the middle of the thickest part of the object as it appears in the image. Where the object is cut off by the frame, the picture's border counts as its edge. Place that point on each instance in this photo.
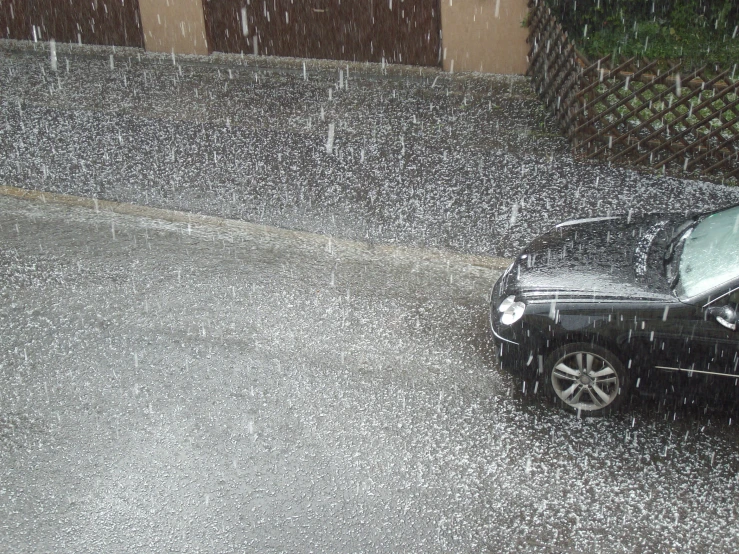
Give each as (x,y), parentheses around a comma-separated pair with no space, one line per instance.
(316,365)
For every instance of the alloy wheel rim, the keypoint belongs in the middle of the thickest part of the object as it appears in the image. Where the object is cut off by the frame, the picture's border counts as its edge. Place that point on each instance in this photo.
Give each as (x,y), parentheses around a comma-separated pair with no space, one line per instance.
(585,381)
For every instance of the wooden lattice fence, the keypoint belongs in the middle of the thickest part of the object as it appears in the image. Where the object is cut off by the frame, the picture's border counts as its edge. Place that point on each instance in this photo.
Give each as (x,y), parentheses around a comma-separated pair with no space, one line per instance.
(668,117)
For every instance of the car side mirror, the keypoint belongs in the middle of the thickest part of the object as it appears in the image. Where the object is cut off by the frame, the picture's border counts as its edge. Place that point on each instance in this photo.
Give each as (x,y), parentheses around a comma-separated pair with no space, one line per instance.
(725,315)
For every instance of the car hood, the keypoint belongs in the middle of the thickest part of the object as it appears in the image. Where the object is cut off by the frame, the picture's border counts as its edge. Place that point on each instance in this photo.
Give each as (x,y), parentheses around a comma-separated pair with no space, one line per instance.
(613,258)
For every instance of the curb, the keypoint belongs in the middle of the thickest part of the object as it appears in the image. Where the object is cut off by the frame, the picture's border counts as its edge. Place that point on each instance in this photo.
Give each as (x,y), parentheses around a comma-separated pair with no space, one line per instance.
(172,216)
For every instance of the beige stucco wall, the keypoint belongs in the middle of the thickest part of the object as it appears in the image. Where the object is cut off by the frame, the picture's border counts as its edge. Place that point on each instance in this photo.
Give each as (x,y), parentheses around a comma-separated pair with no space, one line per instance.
(484,35)
(174,25)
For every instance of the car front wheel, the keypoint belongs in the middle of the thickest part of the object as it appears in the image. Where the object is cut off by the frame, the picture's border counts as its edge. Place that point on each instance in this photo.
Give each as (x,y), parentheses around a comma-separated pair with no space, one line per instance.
(586,378)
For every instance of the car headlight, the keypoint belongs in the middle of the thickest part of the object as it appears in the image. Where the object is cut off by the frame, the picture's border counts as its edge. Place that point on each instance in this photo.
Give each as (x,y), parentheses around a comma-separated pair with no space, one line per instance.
(506,303)
(512,311)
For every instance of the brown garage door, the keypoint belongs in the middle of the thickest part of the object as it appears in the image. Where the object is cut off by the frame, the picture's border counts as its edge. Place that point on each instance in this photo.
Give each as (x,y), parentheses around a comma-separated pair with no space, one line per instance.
(400,31)
(14,19)
(113,22)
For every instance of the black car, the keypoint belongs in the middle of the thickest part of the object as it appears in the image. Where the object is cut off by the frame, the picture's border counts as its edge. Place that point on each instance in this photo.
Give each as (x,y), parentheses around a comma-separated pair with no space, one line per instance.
(595,305)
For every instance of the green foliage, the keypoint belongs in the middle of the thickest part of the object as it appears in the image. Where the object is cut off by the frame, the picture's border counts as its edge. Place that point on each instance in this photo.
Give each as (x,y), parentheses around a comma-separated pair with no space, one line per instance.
(697,32)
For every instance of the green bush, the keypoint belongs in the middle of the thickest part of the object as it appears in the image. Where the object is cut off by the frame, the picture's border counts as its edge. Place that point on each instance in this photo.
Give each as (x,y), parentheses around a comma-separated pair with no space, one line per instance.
(697,32)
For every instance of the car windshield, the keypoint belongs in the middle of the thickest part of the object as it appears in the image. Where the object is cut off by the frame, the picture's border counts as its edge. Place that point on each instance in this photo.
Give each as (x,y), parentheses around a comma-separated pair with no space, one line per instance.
(710,255)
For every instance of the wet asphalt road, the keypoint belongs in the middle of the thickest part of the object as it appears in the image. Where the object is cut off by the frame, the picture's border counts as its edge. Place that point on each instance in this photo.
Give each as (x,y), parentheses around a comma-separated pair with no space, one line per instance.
(421,157)
(207,387)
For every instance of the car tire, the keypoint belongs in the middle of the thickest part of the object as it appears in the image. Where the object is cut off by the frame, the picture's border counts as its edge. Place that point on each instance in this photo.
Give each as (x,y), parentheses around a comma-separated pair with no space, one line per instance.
(586,379)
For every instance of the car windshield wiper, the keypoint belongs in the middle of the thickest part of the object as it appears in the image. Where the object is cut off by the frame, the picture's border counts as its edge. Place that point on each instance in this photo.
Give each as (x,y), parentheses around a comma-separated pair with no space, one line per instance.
(676,252)
(675,280)
(680,234)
